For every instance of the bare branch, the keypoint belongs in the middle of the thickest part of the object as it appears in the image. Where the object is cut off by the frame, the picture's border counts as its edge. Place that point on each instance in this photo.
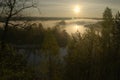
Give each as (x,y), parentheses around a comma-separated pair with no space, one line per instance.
(18,11)
(11,8)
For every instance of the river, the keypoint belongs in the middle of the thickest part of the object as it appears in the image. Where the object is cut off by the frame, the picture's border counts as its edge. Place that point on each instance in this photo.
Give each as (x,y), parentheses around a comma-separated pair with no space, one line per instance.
(71,26)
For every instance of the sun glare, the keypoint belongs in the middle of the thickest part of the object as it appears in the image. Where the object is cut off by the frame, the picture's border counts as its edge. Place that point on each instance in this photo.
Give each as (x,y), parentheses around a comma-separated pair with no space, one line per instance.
(77,9)
(76,26)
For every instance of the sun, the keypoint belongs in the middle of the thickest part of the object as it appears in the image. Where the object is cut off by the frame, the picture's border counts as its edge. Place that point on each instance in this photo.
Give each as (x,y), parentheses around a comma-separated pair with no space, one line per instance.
(77,9)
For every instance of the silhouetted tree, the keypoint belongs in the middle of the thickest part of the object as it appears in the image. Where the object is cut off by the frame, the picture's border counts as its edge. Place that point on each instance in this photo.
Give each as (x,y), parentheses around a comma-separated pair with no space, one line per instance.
(50,50)
(107,53)
(116,47)
(13,66)
(11,8)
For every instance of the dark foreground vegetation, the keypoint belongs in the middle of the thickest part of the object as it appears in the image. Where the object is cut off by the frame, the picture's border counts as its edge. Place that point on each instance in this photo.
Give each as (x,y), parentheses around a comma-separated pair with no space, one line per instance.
(90,56)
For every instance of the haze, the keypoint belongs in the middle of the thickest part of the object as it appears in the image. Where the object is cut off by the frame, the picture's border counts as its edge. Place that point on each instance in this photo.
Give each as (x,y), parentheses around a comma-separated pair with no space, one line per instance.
(64,8)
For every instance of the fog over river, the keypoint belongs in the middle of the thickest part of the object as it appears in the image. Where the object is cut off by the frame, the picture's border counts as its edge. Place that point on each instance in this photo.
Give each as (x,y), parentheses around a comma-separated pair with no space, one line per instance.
(71,26)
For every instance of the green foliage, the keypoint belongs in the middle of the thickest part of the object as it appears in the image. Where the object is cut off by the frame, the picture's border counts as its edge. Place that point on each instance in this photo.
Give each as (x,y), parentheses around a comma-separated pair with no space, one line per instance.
(51,61)
(61,36)
(116,32)
(13,66)
(81,58)
(49,43)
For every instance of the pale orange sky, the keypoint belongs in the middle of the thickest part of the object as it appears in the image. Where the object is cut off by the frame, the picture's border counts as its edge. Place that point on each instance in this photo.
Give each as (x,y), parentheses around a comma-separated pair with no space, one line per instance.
(64,8)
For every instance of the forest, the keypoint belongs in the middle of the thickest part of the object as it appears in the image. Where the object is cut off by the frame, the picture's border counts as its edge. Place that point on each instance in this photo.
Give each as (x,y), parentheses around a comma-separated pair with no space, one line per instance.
(90,56)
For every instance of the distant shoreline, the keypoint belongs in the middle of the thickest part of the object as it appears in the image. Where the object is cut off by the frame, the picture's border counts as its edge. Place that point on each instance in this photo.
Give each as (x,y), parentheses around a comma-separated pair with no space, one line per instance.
(46,18)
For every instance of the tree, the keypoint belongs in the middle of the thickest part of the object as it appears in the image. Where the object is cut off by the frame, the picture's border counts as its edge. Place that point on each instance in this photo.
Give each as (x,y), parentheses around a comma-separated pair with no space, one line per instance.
(107,58)
(10,9)
(50,50)
(61,36)
(116,46)
(13,66)
(107,25)
(116,33)
(83,56)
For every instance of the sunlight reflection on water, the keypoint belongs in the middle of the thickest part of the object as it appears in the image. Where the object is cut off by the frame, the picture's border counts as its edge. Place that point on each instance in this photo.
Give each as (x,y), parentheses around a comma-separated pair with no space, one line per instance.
(75,28)
(69,27)
(72,26)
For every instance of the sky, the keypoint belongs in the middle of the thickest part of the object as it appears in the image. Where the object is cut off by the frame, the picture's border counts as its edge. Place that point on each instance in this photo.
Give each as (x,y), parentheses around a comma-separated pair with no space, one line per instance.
(64,8)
